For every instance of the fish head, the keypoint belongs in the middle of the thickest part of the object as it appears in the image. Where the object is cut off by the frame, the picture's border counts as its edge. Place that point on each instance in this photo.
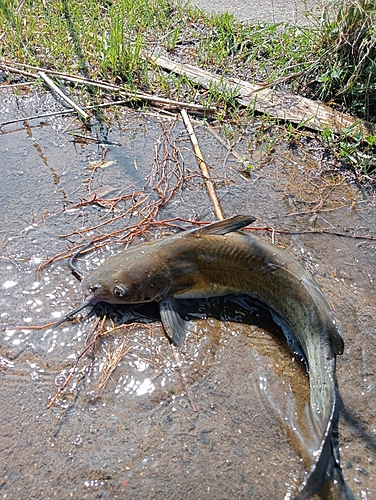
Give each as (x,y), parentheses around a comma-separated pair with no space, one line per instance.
(131,277)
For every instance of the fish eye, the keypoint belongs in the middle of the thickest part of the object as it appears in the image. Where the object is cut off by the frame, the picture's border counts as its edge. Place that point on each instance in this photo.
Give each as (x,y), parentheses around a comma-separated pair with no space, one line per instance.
(119,291)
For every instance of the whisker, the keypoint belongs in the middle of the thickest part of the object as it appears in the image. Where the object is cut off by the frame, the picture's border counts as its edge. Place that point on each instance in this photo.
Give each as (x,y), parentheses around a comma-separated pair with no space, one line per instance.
(88,302)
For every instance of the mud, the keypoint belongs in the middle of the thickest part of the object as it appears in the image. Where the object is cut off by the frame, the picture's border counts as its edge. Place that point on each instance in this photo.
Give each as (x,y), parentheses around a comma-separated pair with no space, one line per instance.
(138,436)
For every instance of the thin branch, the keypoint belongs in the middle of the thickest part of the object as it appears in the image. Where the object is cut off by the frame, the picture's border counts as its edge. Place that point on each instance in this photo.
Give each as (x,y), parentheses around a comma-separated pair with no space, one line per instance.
(73,369)
(312,231)
(56,89)
(64,112)
(203,167)
(188,391)
(105,86)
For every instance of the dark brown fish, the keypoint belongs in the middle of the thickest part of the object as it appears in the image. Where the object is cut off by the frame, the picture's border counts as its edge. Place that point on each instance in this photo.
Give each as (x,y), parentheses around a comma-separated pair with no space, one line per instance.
(218,260)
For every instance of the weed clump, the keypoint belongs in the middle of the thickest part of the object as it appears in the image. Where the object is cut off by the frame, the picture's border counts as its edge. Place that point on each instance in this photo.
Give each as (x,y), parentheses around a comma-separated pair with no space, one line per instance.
(345,71)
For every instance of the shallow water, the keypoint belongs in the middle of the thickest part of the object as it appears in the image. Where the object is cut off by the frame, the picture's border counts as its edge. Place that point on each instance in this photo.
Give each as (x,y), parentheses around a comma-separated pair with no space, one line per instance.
(138,436)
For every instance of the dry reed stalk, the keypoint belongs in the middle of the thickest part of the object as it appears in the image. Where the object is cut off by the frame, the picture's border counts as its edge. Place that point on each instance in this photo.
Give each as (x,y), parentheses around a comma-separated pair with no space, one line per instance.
(203,167)
(56,89)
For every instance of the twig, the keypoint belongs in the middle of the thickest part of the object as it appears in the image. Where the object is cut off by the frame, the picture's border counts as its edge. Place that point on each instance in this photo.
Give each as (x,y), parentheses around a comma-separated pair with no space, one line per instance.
(56,89)
(312,231)
(12,85)
(36,339)
(10,69)
(105,86)
(134,95)
(64,112)
(73,369)
(188,391)
(203,167)
(113,359)
(140,203)
(332,233)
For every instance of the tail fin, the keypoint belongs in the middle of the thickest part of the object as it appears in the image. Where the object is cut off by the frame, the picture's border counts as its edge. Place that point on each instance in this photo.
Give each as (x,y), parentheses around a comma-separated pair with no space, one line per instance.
(325,477)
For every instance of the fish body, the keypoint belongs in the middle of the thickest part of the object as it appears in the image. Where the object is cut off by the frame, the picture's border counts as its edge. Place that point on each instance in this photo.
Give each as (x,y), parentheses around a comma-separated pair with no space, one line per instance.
(218,260)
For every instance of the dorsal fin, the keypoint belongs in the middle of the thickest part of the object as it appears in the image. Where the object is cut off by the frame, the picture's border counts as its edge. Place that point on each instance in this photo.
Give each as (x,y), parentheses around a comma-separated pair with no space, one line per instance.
(226,225)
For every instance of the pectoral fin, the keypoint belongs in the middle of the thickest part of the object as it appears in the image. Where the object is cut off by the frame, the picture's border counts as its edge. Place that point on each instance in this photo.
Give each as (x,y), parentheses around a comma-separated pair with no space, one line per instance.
(227,225)
(174,324)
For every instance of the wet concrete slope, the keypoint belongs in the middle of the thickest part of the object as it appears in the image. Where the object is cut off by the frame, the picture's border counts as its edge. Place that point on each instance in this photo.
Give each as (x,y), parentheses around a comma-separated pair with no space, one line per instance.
(127,429)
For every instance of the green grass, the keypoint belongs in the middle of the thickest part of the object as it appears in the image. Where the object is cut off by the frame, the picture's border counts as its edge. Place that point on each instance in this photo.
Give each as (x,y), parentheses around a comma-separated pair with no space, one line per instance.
(345,69)
(334,60)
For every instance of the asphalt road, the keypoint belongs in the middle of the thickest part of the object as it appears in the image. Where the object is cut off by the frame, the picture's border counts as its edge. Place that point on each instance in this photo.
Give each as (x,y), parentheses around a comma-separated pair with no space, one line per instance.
(252,11)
